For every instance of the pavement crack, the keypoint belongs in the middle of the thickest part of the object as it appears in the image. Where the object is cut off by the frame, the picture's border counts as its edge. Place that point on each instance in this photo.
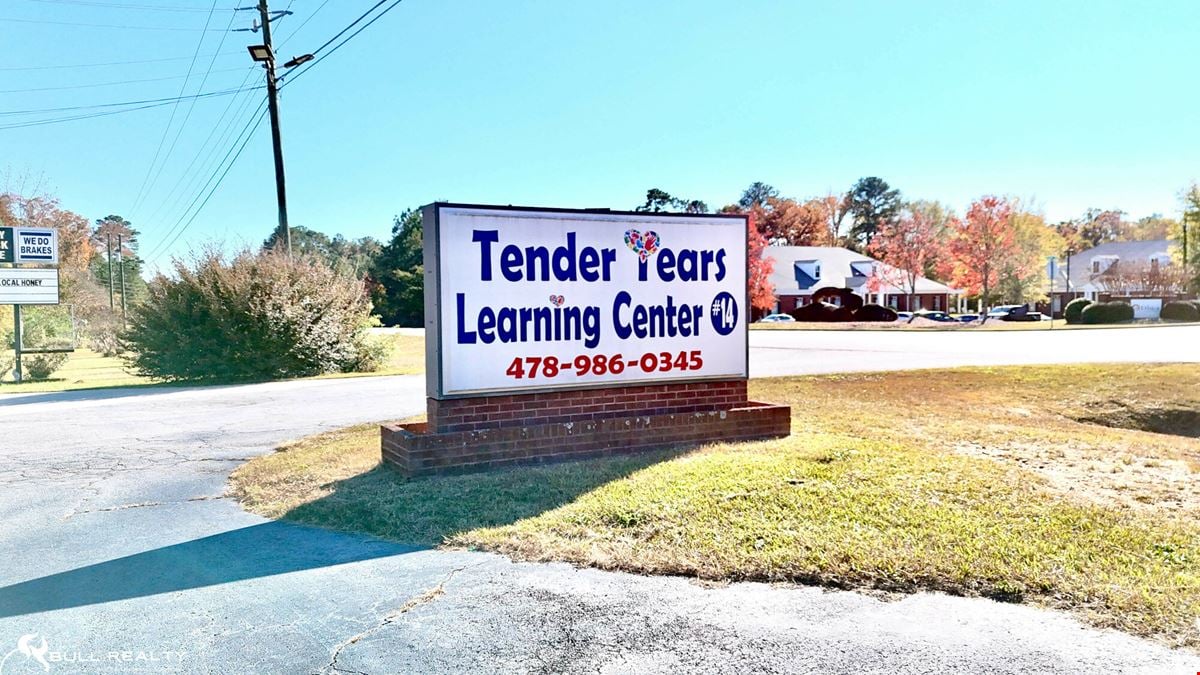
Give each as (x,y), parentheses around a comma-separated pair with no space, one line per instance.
(119,507)
(425,597)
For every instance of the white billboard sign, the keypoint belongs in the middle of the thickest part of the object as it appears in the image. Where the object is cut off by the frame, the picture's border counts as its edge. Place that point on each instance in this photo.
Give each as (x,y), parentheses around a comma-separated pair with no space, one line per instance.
(28,286)
(1146,308)
(36,245)
(522,300)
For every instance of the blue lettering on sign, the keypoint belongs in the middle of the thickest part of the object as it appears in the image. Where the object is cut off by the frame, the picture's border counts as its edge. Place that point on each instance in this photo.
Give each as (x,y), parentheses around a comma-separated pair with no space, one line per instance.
(570,262)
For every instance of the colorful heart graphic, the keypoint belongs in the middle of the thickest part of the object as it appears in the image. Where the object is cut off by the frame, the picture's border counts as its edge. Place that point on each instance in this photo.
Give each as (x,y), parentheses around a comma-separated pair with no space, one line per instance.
(645,244)
(557,300)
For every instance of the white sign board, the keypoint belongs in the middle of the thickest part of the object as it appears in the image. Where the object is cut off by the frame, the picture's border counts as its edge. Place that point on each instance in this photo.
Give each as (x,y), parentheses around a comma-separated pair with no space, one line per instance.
(1146,308)
(28,286)
(36,245)
(523,300)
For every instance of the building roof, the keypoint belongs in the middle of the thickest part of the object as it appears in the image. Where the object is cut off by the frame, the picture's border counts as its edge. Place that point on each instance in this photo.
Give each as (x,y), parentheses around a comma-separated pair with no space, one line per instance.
(796,271)
(1081,263)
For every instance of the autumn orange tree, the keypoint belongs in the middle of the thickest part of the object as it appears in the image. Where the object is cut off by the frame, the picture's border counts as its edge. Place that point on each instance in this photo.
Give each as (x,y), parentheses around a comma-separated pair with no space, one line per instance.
(758,279)
(785,221)
(907,244)
(981,244)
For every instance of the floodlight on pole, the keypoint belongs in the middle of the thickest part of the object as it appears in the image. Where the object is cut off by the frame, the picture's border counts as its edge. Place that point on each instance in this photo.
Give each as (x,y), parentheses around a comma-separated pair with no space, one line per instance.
(260,53)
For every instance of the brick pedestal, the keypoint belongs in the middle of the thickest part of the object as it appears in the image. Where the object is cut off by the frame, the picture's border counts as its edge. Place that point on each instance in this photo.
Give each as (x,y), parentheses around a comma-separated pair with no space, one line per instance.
(473,434)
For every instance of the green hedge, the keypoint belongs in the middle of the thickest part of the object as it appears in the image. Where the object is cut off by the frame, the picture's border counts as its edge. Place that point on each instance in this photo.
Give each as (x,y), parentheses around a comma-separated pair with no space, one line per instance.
(1074,310)
(1180,310)
(1107,312)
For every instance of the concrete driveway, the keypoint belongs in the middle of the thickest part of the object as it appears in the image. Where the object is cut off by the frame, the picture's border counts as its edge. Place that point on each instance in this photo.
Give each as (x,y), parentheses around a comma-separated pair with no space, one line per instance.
(119,550)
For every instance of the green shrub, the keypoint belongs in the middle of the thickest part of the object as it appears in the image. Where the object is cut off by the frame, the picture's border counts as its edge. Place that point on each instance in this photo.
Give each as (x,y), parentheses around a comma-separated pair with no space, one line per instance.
(1074,310)
(1107,312)
(261,315)
(1180,311)
(42,366)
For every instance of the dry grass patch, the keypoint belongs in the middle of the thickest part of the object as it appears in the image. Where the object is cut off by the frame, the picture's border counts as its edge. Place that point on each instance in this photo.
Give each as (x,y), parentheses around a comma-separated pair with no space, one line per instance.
(940,480)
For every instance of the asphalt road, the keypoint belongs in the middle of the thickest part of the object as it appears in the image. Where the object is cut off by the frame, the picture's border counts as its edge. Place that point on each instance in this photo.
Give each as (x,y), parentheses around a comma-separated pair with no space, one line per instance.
(118,548)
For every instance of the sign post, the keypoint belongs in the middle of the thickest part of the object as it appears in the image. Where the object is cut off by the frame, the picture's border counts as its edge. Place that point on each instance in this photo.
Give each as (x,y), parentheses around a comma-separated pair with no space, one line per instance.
(556,333)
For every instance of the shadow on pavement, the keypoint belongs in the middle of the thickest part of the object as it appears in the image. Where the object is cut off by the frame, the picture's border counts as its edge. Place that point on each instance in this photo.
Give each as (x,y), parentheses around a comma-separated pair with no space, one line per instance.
(247,553)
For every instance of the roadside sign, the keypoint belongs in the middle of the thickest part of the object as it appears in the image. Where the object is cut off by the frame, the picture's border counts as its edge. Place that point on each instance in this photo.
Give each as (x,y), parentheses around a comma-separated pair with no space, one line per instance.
(1052,267)
(37,245)
(6,245)
(1146,308)
(28,286)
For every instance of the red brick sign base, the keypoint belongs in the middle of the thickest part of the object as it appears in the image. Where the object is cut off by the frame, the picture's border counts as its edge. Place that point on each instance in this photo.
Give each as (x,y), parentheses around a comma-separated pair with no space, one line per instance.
(474,434)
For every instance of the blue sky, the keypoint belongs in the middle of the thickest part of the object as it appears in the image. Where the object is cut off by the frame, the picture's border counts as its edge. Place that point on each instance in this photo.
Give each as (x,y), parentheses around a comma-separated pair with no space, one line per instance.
(587,104)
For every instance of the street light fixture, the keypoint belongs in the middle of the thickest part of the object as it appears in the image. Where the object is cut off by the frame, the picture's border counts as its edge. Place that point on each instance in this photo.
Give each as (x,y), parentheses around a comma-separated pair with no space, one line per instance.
(297,60)
(260,53)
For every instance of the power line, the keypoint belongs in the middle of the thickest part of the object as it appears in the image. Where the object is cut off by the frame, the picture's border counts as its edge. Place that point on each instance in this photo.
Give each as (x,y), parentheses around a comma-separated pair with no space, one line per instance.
(110,63)
(86,116)
(201,151)
(104,84)
(175,108)
(303,23)
(352,24)
(163,248)
(121,5)
(110,25)
(163,101)
(291,78)
(191,104)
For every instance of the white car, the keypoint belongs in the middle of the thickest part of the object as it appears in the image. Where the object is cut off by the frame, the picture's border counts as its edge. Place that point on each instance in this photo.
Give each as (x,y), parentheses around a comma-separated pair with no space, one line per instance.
(776,318)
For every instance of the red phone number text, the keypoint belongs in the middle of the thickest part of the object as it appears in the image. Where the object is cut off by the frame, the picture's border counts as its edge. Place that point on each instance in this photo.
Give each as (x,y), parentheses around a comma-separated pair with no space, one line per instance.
(530,367)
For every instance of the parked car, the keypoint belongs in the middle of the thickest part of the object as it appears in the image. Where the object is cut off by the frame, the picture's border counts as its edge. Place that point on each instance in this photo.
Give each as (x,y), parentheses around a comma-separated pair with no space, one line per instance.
(935,316)
(776,318)
(904,316)
(967,318)
(1003,310)
(1016,313)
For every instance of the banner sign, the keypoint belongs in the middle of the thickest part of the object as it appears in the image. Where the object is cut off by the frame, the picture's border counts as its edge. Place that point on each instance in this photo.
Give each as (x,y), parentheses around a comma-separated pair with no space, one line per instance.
(28,286)
(37,245)
(7,249)
(524,300)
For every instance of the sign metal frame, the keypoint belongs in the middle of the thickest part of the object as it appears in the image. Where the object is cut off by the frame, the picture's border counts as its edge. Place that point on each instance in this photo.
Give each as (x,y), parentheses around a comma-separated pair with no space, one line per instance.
(434,325)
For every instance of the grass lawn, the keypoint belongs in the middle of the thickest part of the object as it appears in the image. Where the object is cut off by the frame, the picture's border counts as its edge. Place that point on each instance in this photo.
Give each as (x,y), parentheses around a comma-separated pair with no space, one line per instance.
(993,482)
(86,369)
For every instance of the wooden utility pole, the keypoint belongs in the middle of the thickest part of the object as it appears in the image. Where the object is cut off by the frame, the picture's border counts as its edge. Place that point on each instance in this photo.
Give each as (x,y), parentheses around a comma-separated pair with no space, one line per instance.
(112,305)
(276,142)
(121,257)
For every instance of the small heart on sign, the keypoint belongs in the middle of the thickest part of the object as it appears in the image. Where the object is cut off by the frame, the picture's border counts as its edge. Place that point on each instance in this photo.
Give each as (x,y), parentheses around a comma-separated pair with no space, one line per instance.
(557,300)
(645,244)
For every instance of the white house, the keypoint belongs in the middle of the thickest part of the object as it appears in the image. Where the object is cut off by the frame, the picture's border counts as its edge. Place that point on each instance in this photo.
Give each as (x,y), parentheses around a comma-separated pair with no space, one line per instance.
(801,271)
